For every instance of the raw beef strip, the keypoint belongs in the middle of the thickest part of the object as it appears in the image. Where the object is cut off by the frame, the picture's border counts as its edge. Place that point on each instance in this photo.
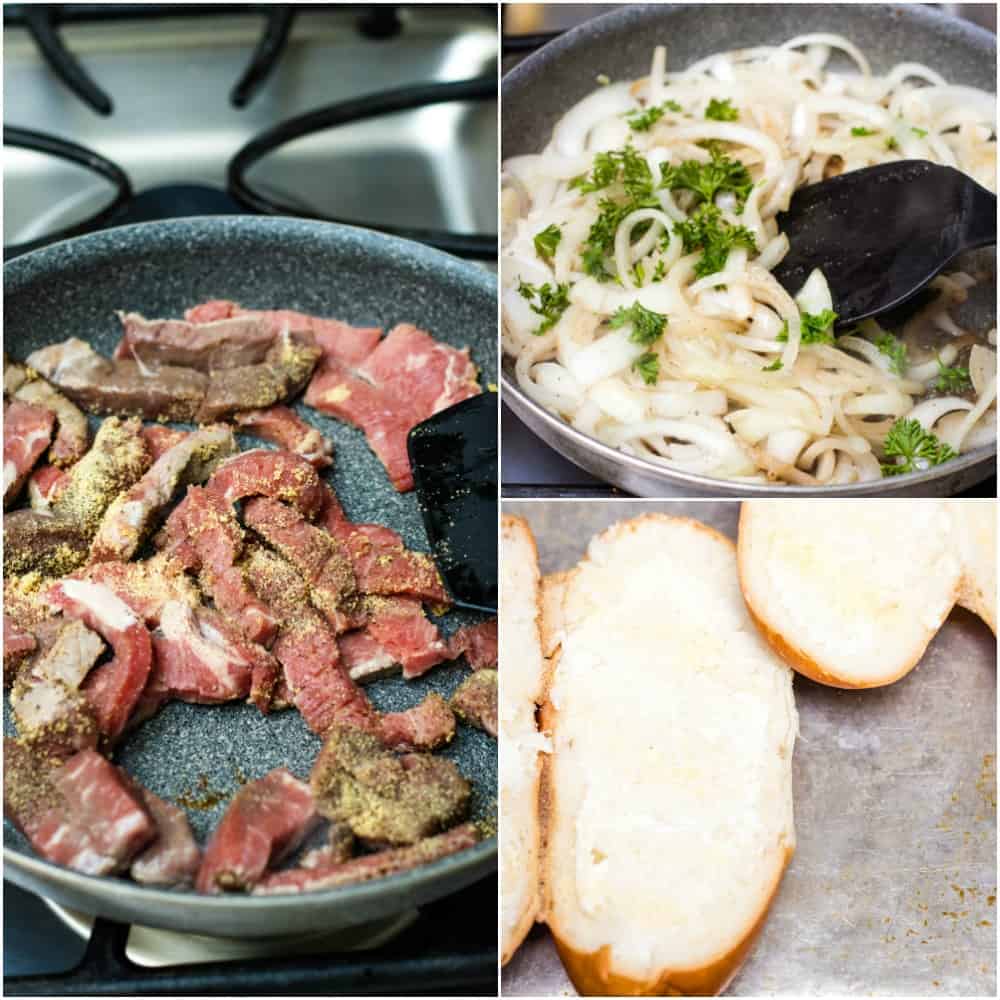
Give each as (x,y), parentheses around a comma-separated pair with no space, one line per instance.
(284,427)
(37,542)
(52,714)
(340,341)
(320,558)
(200,658)
(18,645)
(129,520)
(266,821)
(277,474)
(27,431)
(114,688)
(145,586)
(72,430)
(160,439)
(475,701)
(205,535)
(307,650)
(406,379)
(282,375)
(115,463)
(383,565)
(173,858)
(44,485)
(426,726)
(399,626)
(477,642)
(384,797)
(369,866)
(364,658)
(226,343)
(82,814)
(123,387)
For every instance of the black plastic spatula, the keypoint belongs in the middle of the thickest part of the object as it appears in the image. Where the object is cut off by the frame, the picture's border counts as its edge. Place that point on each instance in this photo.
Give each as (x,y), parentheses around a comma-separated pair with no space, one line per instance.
(881,233)
(454,460)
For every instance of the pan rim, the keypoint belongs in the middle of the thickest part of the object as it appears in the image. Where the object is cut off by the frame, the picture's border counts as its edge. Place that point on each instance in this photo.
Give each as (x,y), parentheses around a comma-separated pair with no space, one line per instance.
(558,430)
(474,862)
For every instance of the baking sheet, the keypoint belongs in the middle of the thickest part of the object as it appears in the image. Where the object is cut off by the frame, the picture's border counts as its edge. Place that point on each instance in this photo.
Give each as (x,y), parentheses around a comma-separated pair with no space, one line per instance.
(892,889)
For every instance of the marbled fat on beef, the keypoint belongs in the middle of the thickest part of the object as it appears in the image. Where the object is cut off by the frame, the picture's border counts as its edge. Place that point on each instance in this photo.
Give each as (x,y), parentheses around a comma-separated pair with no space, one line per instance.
(27,431)
(81,814)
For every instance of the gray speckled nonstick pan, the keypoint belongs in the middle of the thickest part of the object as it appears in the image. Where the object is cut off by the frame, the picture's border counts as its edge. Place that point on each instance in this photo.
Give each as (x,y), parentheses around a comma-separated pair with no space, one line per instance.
(541,88)
(197,754)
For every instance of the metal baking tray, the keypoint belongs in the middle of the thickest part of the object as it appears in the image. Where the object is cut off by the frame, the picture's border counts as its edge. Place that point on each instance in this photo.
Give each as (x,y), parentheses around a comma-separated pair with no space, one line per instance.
(892,889)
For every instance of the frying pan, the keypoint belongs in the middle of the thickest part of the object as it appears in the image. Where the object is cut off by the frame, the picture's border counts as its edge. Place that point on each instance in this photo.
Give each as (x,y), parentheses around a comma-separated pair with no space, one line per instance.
(540,89)
(198,755)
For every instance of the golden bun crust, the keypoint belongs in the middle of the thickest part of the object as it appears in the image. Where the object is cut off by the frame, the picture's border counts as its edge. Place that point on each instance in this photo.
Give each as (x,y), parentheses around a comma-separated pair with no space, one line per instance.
(592,974)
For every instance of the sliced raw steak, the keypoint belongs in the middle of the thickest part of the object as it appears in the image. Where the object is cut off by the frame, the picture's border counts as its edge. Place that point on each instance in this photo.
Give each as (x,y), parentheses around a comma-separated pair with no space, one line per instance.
(173,858)
(369,866)
(72,430)
(122,387)
(160,438)
(130,518)
(475,701)
(266,821)
(399,626)
(340,341)
(406,379)
(285,428)
(477,642)
(114,688)
(27,431)
(386,798)
(277,474)
(44,485)
(226,343)
(427,726)
(205,535)
(81,814)
(37,542)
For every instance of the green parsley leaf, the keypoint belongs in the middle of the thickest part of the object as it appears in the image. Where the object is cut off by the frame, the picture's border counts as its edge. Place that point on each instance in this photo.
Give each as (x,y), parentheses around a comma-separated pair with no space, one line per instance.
(647,325)
(706,180)
(774,366)
(661,271)
(721,111)
(552,303)
(547,240)
(707,230)
(953,380)
(894,350)
(643,121)
(918,449)
(920,133)
(817,328)
(861,130)
(648,366)
(891,143)
(638,272)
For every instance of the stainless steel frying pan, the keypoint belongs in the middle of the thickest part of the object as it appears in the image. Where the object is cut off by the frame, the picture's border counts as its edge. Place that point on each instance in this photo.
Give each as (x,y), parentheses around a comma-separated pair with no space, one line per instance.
(199,754)
(539,90)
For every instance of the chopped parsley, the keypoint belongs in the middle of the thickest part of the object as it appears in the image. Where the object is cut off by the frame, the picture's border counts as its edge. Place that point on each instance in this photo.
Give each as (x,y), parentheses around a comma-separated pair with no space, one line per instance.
(894,350)
(547,240)
(661,271)
(647,326)
(913,447)
(638,273)
(708,231)
(630,168)
(861,130)
(891,143)
(817,328)
(953,380)
(648,366)
(706,180)
(643,121)
(774,366)
(920,133)
(721,111)
(552,303)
